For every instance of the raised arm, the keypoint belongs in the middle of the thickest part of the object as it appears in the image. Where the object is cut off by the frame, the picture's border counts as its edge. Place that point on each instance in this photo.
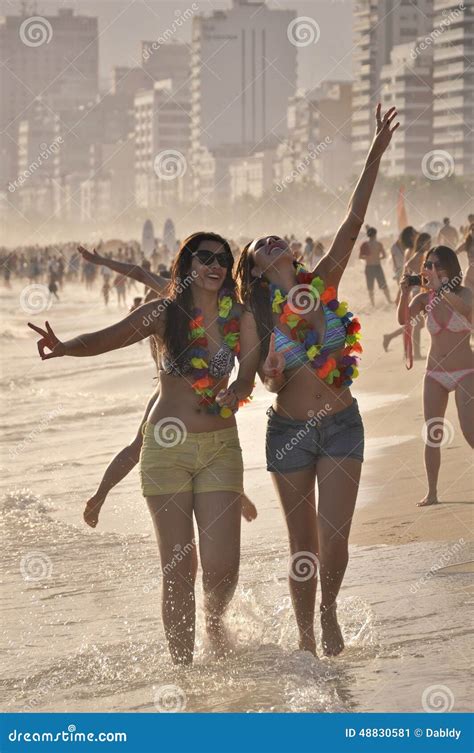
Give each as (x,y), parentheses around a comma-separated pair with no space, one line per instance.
(333,264)
(407,309)
(135,271)
(141,323)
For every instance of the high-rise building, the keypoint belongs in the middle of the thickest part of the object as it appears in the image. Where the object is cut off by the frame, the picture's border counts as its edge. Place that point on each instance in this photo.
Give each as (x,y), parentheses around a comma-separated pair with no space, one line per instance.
(379,25)
(243,70)
(453,83)
(171,60)
(54,58)
(162,130)
(318,148)
(408,81)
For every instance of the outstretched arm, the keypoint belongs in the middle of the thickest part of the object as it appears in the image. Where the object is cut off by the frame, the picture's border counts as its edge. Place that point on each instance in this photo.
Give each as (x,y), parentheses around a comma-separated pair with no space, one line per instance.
(136,272)
(141,323)
(332,266)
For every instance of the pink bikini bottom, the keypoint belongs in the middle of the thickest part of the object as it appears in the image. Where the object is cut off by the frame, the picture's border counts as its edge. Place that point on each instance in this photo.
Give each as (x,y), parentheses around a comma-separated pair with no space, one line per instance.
(448,379)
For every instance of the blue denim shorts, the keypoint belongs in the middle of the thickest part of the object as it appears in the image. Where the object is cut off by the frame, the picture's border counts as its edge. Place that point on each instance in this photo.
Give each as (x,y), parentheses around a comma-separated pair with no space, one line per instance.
(293,445)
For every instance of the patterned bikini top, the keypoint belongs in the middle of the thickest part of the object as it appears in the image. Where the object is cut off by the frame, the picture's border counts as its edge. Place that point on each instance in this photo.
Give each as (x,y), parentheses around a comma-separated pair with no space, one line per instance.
(220,365)
(295,352)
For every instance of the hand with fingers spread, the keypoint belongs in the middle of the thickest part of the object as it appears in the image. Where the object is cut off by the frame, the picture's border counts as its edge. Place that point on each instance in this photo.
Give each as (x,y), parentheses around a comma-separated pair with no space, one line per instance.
(48,340)
(384,131)
(91,256)
(274,365)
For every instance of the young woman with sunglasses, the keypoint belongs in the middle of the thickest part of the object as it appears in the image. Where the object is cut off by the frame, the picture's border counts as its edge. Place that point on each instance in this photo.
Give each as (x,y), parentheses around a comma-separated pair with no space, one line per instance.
(191,461)
(307,353)
(447,306)
(127,458)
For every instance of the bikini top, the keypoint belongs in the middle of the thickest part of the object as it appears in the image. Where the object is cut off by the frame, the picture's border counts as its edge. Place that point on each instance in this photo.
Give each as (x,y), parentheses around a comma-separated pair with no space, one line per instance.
(456,323)
(220,365)
(295,352)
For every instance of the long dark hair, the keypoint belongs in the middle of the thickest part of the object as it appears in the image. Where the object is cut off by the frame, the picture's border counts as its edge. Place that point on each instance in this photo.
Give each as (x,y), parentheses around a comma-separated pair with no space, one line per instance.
(179,310)
(449,260)
(407,237)
(255,295)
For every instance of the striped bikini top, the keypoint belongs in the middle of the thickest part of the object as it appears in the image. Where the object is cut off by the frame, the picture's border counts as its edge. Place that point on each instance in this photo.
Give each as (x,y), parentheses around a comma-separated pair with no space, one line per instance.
(295,352)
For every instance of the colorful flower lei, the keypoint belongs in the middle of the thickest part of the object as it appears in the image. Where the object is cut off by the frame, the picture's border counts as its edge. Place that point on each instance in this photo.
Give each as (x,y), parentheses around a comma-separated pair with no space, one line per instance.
(229,325)
(339,374)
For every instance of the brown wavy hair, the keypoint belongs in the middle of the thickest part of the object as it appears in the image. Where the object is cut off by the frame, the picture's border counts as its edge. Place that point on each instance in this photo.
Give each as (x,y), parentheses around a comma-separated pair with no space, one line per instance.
(255,295)
(179,301)
(449,260)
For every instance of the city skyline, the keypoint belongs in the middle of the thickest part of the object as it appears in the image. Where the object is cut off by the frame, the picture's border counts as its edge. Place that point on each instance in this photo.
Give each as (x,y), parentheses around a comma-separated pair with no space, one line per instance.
(219,125)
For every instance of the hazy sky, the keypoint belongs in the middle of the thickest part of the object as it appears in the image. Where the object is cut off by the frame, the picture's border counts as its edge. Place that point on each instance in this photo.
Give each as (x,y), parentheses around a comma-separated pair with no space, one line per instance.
(124,23)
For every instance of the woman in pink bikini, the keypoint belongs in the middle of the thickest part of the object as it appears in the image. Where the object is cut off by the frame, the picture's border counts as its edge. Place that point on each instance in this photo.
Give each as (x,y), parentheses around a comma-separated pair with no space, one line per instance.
(447,306)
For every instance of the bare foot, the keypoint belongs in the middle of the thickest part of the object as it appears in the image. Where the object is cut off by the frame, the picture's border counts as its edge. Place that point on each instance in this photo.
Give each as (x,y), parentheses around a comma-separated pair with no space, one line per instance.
(91,513)
(430,499)
(220,644)
(249,511)
(308,643)
(332,640)
(386,342)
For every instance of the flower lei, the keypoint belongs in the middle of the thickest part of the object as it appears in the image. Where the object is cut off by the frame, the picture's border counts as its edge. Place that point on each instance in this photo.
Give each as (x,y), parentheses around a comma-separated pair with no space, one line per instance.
(229,324)
(339,374)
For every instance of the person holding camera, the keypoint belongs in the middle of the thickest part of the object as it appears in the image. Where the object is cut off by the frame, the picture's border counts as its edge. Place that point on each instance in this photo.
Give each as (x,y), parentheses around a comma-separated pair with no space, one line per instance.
(412,271)
(447,306)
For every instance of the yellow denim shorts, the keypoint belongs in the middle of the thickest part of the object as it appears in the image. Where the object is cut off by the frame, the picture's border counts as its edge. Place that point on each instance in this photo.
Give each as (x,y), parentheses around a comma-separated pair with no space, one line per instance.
(173,460)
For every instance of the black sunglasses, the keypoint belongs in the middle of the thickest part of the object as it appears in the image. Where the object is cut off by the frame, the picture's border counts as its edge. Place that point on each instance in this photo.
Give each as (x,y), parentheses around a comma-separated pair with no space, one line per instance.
(208,258)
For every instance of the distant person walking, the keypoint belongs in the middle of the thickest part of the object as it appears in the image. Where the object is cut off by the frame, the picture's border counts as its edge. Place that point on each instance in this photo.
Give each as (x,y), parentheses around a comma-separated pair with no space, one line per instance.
(448,235)
(372,252)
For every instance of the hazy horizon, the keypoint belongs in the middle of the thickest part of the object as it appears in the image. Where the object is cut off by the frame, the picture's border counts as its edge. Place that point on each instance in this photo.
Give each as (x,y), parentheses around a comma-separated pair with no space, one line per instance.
(124,23)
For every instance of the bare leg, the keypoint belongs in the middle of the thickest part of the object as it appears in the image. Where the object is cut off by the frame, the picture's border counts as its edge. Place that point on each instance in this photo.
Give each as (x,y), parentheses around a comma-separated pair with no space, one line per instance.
(173,523)
(464,402)
(387,339)
(218,516)
(338,484)
(435,400)
(119,467)
(296,492)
